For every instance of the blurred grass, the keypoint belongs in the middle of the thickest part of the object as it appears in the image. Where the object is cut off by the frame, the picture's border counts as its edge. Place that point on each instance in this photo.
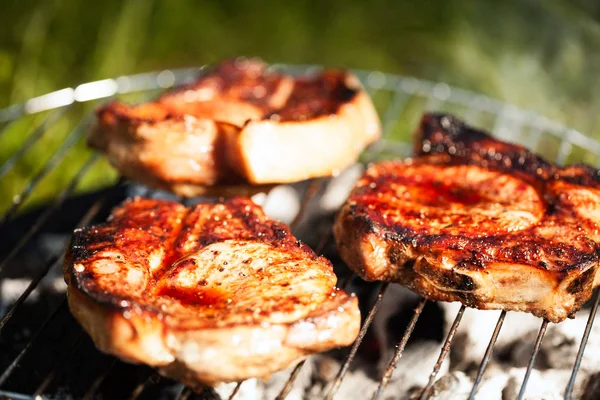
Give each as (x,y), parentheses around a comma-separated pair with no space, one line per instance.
(540,55)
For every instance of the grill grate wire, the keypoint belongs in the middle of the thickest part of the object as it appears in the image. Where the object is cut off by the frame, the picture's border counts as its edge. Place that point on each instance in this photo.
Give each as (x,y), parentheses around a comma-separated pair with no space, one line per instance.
(354,349)
(399,350)
(536,350)
(54,160)
(584,340)
(488,355)
(404,91)
(443,352)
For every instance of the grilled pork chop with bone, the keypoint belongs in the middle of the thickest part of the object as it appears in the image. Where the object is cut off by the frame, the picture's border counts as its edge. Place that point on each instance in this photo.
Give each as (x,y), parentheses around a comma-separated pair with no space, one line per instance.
(213,293)
(476,220)
(238,126)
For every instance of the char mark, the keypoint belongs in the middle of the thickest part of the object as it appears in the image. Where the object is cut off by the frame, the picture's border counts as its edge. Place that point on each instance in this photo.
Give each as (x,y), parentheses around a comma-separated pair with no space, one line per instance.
(448,135)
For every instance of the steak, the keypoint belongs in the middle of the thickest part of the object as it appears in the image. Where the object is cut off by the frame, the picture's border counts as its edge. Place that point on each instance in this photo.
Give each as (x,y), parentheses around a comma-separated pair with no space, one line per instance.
(474,219)
(213,293)
(239,126)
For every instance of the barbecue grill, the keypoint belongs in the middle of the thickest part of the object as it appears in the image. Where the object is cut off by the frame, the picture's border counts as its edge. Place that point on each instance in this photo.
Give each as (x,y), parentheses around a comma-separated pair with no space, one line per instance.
(46,354)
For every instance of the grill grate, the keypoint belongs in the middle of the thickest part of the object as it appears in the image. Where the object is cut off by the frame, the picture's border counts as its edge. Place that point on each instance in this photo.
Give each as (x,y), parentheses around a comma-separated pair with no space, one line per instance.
(400,100)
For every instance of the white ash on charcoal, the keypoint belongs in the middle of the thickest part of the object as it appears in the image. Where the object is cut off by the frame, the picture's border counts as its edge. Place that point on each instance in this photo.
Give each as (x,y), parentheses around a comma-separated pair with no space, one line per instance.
(22,270)
(249,390)
(361,381)
(339,188)
(394,302)
(450,386)
(513,350)
(492,385)
(273,386)
(254,389)
(560,346)
(282,203)
(358,384)
(476,328)
(11,290)
(458,385)
(547,385)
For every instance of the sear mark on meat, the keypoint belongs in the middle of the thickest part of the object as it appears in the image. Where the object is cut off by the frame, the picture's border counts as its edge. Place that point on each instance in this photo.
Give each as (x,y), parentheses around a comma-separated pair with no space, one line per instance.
(239,127)
(213,293)
(473,219)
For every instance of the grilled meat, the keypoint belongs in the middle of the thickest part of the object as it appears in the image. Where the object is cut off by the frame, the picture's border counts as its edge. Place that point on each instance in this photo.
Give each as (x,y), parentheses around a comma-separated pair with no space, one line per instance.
(239,125)
(212,293)
(476,220)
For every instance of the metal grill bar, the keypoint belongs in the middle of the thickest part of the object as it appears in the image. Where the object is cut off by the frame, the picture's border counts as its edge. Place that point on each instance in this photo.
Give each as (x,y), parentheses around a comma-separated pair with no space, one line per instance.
(563,151)
(52,374)
(89,215)
(98,90)
(394,108)
(236,389)
(15,362)
(98,381)
(309,193)
(58,155)
(584,340)
(37,134)
(290,382)
(185,394)
(11,113)
(6,395)
(385,379)
(487,355)
(4,126)
(50,211)
(361,335)
(535,135)
(443,353)
(472,113)
(30,288)
(139,389)
(536,349)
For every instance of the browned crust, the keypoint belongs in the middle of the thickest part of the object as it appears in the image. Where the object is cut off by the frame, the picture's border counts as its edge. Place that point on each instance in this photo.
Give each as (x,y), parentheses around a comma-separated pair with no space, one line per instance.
(261,127)
(429,241)
(152,319)
(443,134)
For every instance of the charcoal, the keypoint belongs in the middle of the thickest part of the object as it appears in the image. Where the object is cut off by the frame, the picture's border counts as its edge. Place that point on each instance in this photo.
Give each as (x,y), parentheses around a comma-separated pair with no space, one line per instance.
(272,387)
(547,385)
(413,371)
(592,388)
(451,386)
(250,389)
(338,189)
(492,385)
(560,346)
(282,203)
(475,331)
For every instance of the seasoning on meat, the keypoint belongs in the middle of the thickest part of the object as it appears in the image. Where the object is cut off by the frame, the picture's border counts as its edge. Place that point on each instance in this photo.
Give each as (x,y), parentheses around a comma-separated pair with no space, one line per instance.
(474,219)
(213,293)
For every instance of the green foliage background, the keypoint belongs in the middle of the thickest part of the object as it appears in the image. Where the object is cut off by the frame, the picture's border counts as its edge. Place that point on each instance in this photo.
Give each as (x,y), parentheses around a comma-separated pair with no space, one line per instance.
(542,55)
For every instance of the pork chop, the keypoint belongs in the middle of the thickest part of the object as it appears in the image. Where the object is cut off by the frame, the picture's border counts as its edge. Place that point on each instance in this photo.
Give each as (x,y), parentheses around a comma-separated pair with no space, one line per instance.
(213,293)
(476,220)
(240,125)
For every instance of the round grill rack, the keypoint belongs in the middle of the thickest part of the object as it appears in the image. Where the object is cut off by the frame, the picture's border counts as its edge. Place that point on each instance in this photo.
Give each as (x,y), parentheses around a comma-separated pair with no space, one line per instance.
(400,100)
